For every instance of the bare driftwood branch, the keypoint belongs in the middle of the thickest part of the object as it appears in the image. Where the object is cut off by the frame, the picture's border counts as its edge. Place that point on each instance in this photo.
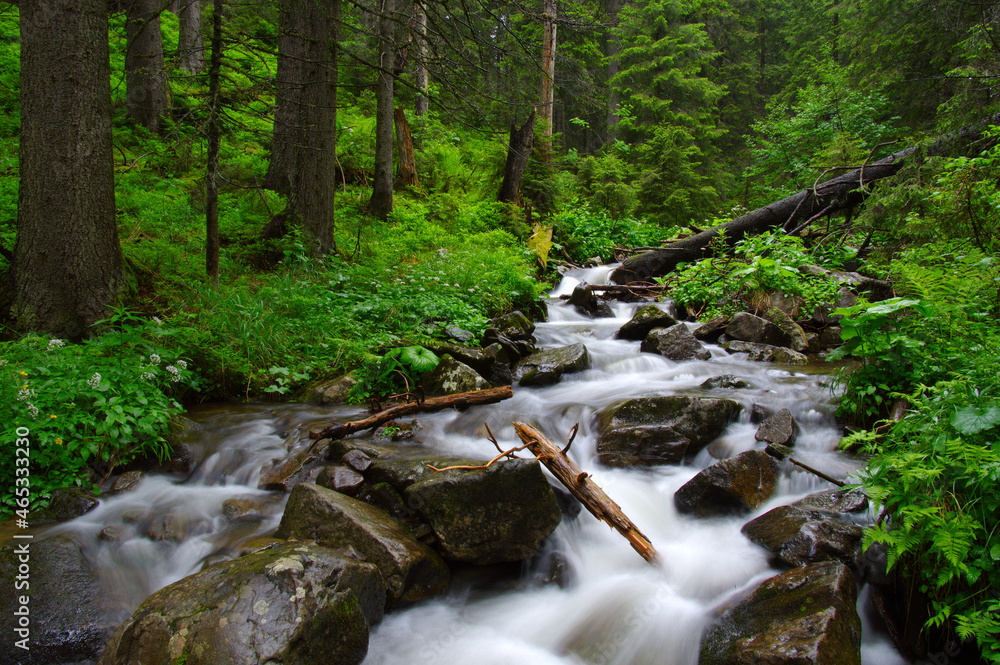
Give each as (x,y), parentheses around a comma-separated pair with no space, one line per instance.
(578,482)
(457,401)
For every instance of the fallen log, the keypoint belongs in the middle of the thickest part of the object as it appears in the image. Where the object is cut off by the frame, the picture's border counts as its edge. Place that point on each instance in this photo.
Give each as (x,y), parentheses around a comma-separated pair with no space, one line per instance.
(841,193)
(578,482)
(458,401)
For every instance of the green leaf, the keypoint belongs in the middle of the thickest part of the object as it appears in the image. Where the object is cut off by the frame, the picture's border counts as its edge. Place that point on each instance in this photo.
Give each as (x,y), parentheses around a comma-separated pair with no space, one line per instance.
(972,419)
(419,359)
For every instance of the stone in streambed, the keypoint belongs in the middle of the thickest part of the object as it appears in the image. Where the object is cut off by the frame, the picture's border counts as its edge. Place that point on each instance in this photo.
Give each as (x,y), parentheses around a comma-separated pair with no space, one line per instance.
(675,343)
(644,320)
(661,430)
(411,570)
(798,537)
(732,486)
(726,381)
(750,328)
(487,516)
(298,604)
(340,479)
(587,303)
(806,616)
(450,377)
(545,368)
(766,353)
(780,428)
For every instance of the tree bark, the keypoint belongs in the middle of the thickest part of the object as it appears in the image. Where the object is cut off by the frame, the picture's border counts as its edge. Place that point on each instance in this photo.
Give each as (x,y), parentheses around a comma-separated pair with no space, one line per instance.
(380,204)
(303,153)
(145,76)
(586,490)
(518,153)
(67,269)
(840,193)
(212,185)
(423,80)
(456,401)
(191,46)
(612,53)
(407,158)
(548,65)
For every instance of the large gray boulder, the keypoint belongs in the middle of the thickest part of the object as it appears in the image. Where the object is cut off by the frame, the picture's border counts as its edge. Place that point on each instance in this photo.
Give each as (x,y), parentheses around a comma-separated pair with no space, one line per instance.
(547,367)
(731,486)
(766,353)
(411,570)
(644,321)
(798,537)
(806,616)
(662,430)
(67,608)
(675,343)
(451,376)
(749,328)
(503,513)
(297,604)
(486,363)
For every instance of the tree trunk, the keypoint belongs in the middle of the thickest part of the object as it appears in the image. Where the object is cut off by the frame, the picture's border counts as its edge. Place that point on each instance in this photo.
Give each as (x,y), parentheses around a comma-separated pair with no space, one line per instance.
(191,47)
(612,53)
(303,153)
(792,213)
(212,185)
(407,159)
(67,268)
(145,77)
(423,82)
(517,160)
(548,65)
(380,204)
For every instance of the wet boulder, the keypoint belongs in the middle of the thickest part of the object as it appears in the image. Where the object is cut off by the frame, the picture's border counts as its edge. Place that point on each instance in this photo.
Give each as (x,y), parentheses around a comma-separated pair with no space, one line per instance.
(780,428)
(515,326)
(644,320)
(341,479)
(493,515)
(732,486)
(69,502)
(842,502)
(766,353)
(725,381)
(451,376)
(68,613)
(411,570)
(806,616)
(586,302)
(749,328)
(797,339)
(244,509)
(491,364)
(127,482)
(332,392)
(675,343)
(798,537)
(710,331)
(298,604)
(661,430)
(547,367)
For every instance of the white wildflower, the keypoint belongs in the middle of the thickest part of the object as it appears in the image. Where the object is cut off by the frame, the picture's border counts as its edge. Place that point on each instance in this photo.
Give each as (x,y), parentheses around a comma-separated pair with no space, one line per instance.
(94,381)
(175,374)
(55,344)
(33,410)
(148,376)
(25,393)
(155,359)
(182,364)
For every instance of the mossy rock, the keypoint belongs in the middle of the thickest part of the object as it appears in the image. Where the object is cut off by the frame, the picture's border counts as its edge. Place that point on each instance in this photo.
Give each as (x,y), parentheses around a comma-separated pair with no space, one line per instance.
(547,367)
(644,321)
(732,486)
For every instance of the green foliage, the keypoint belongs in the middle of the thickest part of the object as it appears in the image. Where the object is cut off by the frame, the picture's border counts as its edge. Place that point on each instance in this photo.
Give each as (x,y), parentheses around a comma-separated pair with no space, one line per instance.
(89,406)
(397,370)
(761,264)
(585,232)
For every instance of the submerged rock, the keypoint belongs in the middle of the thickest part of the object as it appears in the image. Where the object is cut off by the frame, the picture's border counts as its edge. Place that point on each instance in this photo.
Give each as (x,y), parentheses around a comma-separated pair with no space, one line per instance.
(806,616)
(732,486)
(411,570)
(545,368)
(675,343)
(493,515)
(298,604)
(69,617)
(727,381)
(662,430)
(644,321)
(766,353)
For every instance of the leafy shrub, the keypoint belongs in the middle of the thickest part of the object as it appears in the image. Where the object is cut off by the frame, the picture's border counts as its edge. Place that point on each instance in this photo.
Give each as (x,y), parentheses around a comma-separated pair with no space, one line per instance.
(88,406)
(585,232)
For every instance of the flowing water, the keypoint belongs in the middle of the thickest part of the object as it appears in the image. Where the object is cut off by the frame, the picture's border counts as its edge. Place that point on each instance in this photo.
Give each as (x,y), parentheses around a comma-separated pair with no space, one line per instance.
(616,609)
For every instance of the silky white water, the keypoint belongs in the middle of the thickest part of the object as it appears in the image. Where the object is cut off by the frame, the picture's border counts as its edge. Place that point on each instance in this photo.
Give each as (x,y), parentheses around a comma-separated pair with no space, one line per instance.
(616,609)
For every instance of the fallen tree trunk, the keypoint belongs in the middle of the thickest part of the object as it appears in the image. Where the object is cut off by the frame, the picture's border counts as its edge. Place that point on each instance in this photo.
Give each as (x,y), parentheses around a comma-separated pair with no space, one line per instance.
(586,490)
(841,193)
(457,401)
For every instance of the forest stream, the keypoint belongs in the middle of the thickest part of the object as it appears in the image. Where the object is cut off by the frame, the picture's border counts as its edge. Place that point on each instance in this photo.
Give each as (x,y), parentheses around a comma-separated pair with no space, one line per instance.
(613,608)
